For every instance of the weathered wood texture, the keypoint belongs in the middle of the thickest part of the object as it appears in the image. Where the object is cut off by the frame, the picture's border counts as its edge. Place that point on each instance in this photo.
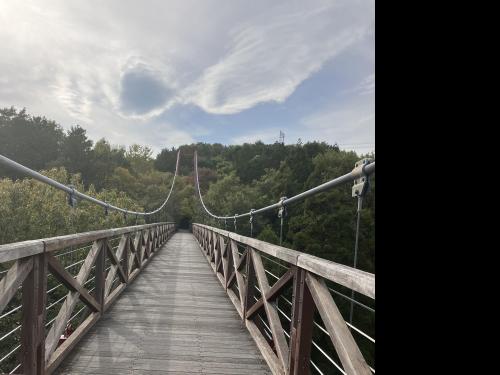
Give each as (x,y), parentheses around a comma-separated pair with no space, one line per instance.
(357,280)
(40,353)
(174,319)
(307,274)
(17,250)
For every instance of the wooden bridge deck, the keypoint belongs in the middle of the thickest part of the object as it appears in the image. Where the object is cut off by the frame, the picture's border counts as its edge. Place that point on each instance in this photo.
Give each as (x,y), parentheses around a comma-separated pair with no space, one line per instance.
(175,318)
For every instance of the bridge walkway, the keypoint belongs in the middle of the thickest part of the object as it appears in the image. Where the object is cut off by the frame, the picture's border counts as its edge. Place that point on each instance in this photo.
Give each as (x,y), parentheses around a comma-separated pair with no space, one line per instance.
(174,319)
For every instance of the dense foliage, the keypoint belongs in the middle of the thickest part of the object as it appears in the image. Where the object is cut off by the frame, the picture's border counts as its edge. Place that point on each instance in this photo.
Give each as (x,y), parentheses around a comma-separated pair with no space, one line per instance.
(233,179)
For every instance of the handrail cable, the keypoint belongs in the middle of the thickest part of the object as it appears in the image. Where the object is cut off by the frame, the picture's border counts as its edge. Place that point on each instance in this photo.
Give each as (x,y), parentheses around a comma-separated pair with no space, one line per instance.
(75,193)
(367,169)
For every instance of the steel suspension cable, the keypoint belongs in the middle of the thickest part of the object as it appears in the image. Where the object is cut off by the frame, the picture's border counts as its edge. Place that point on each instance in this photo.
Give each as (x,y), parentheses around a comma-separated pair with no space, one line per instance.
(73,193)
(367,170)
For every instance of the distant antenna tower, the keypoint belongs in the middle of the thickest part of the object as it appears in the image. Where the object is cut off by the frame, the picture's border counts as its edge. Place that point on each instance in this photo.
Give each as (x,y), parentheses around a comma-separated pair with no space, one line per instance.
(282,138)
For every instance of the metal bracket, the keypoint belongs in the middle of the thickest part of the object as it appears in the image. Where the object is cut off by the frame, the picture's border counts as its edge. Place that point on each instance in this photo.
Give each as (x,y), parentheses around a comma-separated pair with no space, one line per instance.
(251,215)
(282,210)
(362,184)
(71,197)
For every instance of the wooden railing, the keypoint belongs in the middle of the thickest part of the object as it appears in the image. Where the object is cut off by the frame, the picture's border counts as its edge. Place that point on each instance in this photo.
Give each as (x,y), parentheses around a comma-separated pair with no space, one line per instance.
(31,263)
(306,275)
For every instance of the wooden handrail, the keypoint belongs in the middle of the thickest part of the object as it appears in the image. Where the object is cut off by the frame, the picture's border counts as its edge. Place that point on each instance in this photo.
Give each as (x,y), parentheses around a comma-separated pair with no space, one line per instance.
(22,249)
(32,261)
(310,293)
(352,278)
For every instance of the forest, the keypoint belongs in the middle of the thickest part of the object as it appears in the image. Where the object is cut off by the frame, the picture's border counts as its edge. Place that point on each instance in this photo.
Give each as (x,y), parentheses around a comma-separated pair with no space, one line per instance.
(233,180)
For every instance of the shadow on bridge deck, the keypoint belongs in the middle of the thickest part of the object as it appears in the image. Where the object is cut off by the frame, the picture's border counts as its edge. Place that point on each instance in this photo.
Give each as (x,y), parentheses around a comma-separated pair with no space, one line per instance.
(174,319)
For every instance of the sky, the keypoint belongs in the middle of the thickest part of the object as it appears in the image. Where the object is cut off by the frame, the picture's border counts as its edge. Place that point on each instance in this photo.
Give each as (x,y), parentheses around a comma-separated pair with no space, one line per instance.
(167,73)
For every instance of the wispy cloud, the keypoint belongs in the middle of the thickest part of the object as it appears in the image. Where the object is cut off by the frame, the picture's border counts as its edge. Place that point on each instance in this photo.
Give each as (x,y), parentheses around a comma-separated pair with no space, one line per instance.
(118,71)
(270,55)
(351,124)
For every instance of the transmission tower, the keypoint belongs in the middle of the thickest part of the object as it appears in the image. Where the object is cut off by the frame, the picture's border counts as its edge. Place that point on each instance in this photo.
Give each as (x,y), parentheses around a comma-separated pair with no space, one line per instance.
(282,138)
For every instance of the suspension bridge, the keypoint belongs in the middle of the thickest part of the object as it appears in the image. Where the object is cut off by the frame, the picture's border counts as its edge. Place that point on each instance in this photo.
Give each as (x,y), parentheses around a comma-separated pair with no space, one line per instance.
(154,299)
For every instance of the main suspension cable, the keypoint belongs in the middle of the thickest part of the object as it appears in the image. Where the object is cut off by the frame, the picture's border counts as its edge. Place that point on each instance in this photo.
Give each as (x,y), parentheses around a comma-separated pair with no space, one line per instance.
(73,193)
(367,170)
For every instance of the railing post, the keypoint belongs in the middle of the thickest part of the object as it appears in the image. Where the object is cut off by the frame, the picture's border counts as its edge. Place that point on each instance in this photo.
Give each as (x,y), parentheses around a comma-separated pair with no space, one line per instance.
(100,275)
(302,325)
(34,297)
(126,258)
(249,284)
(250,292)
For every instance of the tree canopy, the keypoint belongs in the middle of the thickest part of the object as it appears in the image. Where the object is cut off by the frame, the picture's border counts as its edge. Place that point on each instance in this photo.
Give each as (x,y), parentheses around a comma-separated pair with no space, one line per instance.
(233,180)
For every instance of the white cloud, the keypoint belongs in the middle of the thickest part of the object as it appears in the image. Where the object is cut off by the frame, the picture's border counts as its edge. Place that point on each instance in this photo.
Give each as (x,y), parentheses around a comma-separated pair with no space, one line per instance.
(67,60)
(271,54)
(350,124)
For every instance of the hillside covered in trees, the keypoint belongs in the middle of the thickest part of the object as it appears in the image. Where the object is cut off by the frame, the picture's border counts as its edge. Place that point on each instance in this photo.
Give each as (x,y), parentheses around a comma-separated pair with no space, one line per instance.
(233,179)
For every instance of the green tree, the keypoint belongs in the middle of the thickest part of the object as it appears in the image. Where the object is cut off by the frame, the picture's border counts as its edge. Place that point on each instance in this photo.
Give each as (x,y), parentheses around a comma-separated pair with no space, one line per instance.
(105,159)
(30,140)
(76,153)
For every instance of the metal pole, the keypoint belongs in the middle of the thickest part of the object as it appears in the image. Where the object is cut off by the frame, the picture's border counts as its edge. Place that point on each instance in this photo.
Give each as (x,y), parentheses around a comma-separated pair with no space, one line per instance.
(356,242)
(251,222)
(281,230)
(73,193)
(356,173)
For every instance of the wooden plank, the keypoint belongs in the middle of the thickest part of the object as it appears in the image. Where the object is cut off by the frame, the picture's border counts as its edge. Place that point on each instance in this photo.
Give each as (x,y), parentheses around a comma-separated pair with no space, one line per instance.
(69,304)
(271,312)
(133,275)
(17,250)
(215,243)
(360,281)
(147,243)
(273,292)
(288,255)
(235,301)
(56,243)
(34,297)
(11,282)
(215,249)
(225,259)
(229,265)
(76,336)
(138,247)
(231,280)
(116,262)
(61,274)
(134,257)
(239,277)
(301,326)
(154,238)
(100,276)
(113,296)
(24,249)
(347,349)
(70,343)
(249,284)
(265,349)
(241,261)
(255,308)
(124,252)
(218,268)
